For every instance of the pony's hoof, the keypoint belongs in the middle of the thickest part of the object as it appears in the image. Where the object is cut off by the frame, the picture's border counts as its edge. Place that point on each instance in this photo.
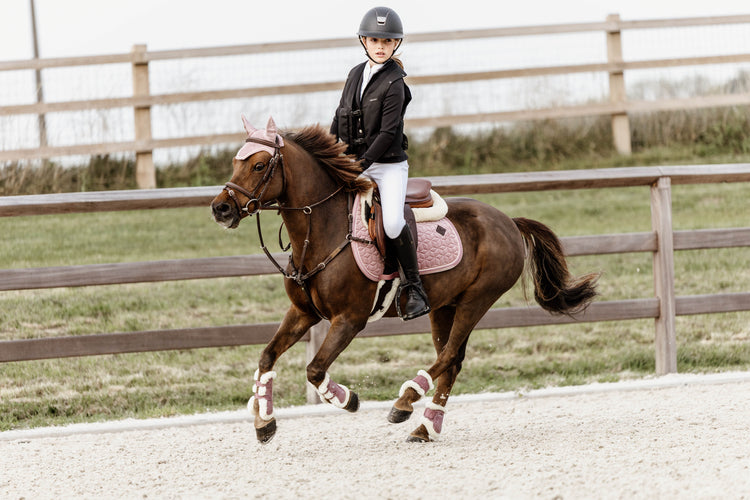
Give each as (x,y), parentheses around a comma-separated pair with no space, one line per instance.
(353,404)
(397,416)
(266,433)
(420,435)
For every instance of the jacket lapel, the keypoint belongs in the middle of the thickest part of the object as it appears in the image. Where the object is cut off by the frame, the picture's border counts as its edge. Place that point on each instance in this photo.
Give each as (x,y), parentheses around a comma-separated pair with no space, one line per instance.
(357,97)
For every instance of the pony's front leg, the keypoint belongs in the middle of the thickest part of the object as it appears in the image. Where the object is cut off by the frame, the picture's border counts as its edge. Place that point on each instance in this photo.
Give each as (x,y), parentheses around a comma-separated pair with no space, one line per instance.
(338,338)
(261,404)
(292,328)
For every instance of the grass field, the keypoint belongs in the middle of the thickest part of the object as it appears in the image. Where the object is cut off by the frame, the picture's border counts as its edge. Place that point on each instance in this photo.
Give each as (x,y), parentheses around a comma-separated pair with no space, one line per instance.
(176,382)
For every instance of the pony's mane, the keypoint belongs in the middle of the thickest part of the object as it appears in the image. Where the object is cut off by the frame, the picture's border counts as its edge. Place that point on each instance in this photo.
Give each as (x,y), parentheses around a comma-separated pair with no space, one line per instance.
(345,169)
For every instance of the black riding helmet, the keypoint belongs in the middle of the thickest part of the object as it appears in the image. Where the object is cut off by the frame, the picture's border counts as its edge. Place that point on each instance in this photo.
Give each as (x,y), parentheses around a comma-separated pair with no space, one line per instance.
(381,22)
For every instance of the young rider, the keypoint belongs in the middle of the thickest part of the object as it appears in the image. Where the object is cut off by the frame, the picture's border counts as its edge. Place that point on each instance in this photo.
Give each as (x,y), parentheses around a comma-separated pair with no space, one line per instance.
(370,119)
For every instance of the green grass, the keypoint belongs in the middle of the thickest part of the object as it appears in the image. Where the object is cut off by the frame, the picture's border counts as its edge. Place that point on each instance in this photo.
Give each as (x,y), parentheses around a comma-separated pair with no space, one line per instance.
(60,391)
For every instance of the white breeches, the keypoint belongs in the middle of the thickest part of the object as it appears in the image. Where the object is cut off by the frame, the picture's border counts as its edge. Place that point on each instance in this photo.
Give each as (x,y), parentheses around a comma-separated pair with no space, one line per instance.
(391,179)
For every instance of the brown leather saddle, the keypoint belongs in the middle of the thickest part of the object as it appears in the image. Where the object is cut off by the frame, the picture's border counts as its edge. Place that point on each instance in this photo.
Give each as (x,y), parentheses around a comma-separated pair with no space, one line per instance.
(417,196)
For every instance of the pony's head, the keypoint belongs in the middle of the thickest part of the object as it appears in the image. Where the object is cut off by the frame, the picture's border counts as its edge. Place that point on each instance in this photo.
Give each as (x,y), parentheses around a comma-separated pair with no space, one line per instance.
(314,166)
(256,176)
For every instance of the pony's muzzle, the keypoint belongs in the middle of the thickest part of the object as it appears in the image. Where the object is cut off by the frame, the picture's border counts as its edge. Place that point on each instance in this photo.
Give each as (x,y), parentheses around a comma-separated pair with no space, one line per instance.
(225,214)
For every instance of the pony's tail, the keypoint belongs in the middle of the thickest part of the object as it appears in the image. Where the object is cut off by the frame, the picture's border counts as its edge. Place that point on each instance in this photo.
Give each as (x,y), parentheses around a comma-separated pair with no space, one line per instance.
(554,288)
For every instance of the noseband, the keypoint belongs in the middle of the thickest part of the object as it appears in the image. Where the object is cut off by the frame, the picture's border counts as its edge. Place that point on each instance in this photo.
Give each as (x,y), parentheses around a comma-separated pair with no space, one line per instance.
(254,196)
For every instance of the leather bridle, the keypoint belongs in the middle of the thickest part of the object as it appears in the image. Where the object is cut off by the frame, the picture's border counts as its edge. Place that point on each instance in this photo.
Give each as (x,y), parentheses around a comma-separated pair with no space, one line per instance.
(253,198)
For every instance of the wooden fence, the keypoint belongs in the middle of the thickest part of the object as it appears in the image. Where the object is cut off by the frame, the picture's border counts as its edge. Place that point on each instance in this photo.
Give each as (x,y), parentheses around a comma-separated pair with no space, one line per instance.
(662,241)
(143,144)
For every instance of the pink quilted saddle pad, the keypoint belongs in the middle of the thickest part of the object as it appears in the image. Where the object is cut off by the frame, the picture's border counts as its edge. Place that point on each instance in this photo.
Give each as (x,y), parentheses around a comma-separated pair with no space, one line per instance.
(439,247)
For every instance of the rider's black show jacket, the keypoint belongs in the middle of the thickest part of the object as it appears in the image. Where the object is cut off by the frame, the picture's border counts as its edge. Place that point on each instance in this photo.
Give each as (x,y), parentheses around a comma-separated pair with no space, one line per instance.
(373,126)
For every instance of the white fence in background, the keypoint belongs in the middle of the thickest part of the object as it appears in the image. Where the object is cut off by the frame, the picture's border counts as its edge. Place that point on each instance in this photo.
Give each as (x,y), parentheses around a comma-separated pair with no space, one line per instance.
(151,101)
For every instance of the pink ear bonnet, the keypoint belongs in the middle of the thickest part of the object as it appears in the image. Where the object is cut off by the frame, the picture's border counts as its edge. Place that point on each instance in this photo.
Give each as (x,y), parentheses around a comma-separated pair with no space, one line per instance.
(269,134)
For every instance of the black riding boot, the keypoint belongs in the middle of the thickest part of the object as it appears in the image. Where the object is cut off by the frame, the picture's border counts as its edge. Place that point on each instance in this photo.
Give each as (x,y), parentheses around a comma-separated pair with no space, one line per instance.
(416,298)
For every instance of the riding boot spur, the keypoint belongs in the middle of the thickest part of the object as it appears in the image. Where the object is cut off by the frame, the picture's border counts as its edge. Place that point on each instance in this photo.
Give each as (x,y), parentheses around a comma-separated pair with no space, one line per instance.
(417,303)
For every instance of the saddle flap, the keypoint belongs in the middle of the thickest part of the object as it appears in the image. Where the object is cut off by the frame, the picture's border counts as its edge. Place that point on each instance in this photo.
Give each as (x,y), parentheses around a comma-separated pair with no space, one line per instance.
(377,232)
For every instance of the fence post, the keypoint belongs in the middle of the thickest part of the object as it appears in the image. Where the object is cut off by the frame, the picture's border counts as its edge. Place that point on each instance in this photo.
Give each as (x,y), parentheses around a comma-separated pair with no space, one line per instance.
(41,120)
(317,334)
(617,94)
(661,222)
(145,173)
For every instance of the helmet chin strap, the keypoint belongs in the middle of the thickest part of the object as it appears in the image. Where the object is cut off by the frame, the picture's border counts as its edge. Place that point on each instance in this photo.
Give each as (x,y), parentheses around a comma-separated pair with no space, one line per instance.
(400,41)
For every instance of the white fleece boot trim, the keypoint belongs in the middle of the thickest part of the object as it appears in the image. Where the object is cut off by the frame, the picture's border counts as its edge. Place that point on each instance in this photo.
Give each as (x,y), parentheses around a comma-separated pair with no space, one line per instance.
(433,406)
(323,387)
(414,385)
(434,435)
(266,376)
(262,408)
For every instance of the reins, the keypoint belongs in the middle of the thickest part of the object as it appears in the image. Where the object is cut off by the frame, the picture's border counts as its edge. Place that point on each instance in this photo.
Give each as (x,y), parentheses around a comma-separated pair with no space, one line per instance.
(296,275)
(307,210)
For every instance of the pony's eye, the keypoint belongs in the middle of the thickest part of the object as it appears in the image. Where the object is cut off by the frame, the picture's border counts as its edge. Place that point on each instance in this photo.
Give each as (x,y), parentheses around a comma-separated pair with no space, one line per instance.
(259,166)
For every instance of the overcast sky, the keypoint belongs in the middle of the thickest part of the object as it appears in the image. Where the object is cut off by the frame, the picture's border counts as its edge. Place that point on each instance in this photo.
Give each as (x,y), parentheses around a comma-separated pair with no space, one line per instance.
(83,27)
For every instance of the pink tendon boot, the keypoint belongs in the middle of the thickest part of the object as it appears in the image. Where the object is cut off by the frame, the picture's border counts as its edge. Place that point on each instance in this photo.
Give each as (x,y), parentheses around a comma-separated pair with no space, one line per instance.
(333,393)
(433,419)
(263,390)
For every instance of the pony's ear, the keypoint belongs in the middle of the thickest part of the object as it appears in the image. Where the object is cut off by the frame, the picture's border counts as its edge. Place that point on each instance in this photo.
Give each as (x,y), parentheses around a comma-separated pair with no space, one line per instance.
(271,129)
(248,128)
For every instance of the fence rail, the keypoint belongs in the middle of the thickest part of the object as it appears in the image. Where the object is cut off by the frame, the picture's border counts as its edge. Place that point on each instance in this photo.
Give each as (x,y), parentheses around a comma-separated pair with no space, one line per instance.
(618,105)
(661,242)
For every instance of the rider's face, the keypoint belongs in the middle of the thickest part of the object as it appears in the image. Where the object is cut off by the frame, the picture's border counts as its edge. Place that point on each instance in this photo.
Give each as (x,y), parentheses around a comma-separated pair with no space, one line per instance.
(380,49)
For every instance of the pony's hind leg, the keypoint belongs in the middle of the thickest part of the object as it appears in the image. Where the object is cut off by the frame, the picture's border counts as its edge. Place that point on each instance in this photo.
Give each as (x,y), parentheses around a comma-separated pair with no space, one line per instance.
(466,315)
(432,420)
(291,329)
(413,390)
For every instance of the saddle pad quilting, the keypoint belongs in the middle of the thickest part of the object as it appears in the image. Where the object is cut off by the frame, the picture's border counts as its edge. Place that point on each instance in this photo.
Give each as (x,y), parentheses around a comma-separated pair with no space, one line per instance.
(439,248)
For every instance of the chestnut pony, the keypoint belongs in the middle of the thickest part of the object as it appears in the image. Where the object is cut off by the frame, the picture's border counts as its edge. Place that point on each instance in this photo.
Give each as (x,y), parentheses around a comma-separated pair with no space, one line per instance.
(306,176)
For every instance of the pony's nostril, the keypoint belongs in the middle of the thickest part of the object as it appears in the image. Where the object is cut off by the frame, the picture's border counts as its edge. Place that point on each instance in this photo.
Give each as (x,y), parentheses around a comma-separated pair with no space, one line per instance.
(222,209)
(222,212)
